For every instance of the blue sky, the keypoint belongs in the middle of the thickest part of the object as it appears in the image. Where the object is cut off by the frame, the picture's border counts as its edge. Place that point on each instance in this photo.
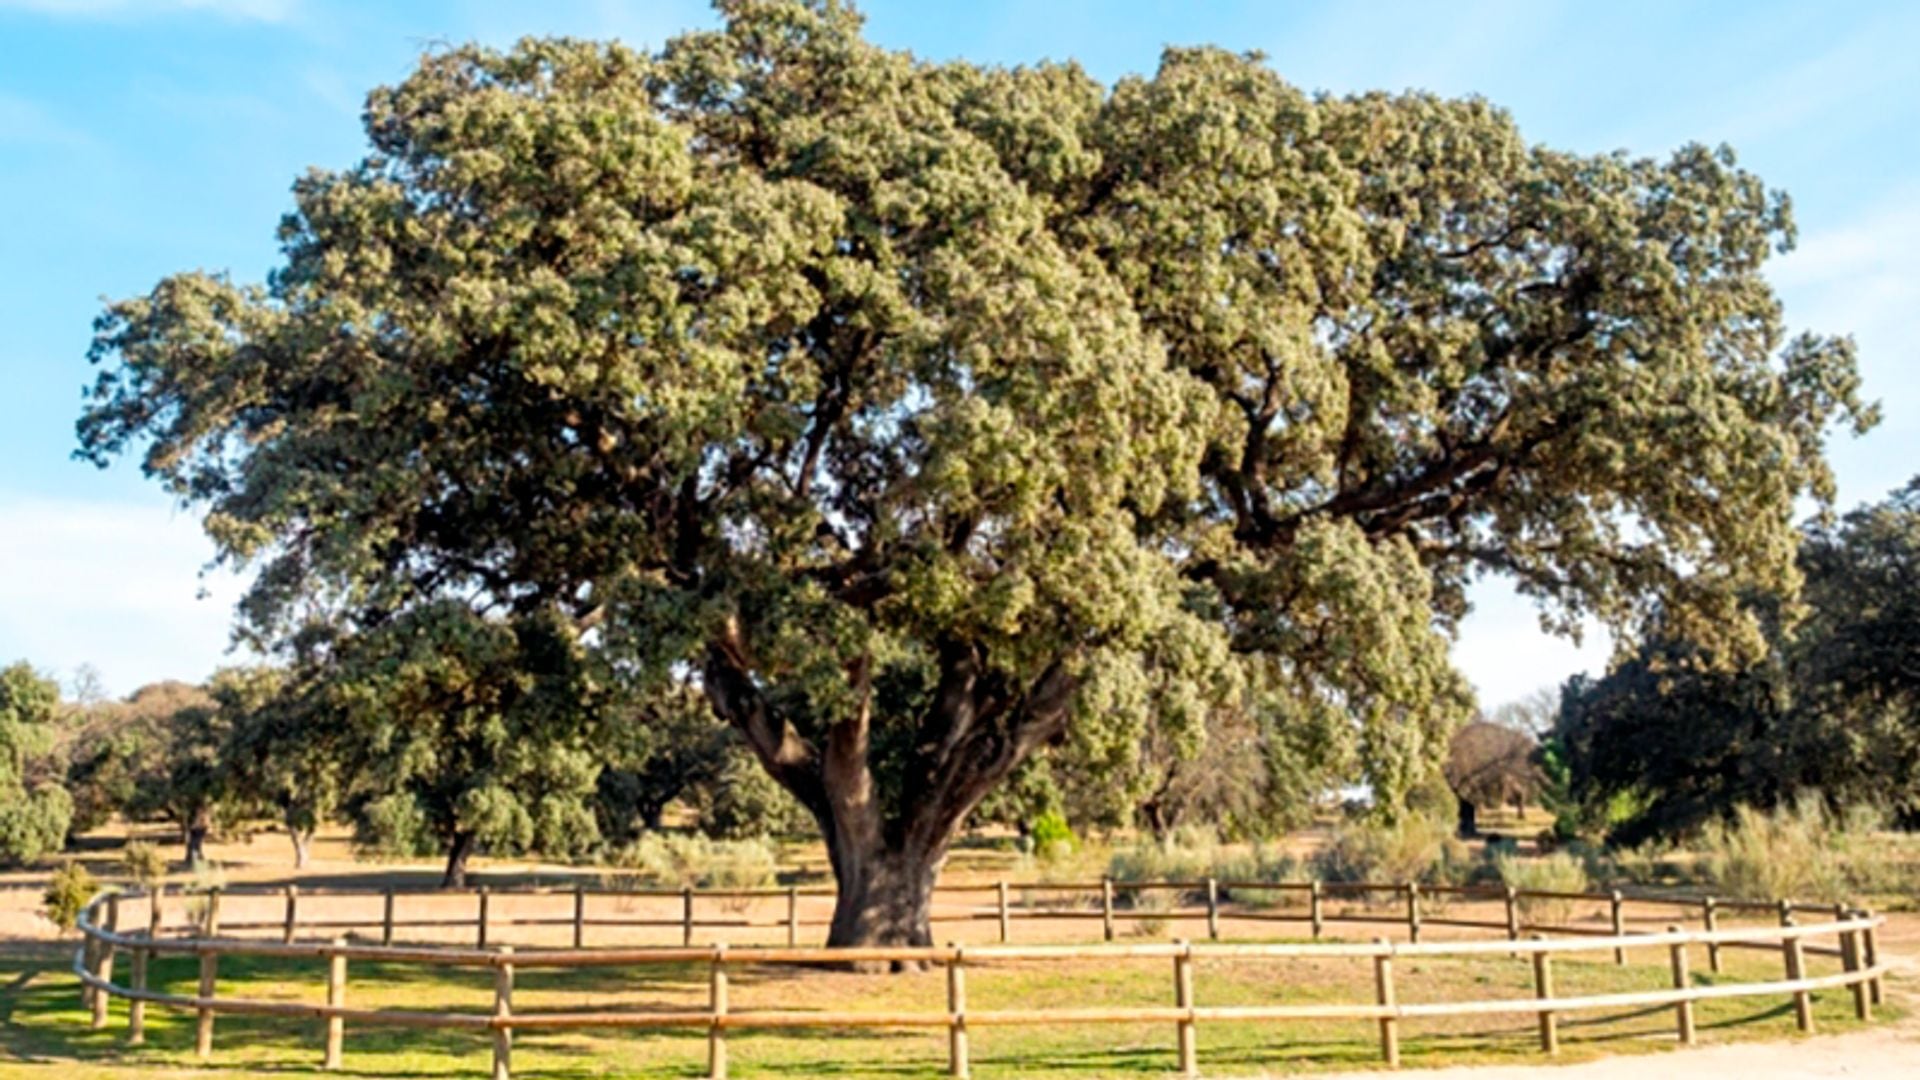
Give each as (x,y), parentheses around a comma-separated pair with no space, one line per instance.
(141,137)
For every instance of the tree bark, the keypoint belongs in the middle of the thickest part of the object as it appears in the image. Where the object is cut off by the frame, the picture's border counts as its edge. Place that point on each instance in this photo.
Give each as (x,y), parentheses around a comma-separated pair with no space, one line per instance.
(978,728)
(193,837)
(457,855)
(1469,818)
(883,898)
(302,843)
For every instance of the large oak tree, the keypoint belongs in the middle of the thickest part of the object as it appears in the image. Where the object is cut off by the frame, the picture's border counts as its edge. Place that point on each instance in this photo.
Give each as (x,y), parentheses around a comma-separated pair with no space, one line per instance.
(929,414)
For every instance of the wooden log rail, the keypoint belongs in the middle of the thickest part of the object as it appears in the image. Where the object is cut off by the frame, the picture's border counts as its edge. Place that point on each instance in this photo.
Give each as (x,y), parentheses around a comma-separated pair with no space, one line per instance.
(1853,931)
(1210,900)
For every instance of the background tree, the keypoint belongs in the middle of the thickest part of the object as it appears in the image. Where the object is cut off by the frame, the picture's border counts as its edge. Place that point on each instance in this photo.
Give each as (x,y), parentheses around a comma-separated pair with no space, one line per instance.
(1859,667)
(471,734)
(666,747)
(932,414)
(1677,738)
(117,750)
(34,809)
(156,757)
(287,750)
(1490,764)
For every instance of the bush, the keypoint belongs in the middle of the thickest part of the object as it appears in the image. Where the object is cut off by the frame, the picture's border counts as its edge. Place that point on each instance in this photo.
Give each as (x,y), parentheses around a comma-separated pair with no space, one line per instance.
(1651,863)
(675,861)
(1794,852)
(146,864)
(1149,908)
(72,886)
(1559,871)
(1192,855)
(203,877)
(1419,847)
(1051,830)
(34,824)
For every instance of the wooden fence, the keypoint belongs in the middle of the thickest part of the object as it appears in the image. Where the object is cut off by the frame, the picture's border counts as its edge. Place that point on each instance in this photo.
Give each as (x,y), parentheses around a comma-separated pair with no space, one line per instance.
(1853,934)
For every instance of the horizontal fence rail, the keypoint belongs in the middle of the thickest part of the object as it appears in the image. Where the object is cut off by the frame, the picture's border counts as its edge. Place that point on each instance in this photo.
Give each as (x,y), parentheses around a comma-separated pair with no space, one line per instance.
(1801,930)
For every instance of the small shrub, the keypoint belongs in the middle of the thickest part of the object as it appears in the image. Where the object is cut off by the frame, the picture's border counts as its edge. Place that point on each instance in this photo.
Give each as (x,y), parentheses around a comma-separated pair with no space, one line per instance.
(674,861)
(1150,907)
(1261,865)
(1419,847)
(1050,829)
(1651,863)
(145,863)
(1559,871)
(72,886)
(203,877)
(1800,852)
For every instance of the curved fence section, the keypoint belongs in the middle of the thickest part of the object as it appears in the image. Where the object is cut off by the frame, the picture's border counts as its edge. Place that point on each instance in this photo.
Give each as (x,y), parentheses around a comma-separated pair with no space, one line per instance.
(1841,932)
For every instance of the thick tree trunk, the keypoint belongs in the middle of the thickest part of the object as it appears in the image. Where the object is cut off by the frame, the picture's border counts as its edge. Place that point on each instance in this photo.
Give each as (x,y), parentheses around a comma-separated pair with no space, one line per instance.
(1469,819)
(883,898)
(193,837)
(457,855)
(302,843)
(977,730)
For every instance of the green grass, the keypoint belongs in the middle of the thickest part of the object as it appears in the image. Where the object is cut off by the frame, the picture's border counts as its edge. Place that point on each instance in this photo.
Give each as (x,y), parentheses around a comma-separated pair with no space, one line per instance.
(44,1032)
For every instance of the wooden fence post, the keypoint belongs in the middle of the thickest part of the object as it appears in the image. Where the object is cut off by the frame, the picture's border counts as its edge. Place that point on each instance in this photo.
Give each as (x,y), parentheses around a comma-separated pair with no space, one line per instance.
(291,920)
(1682,980)
(90,959)
(480,920)
(1711,913)
(386,915)
(793,916)
(104,969)
(958,1063)
(686,915)
(1383,996)
(1213,909)
(203,1021)
(1183,999)
(136,1008)
(1106,907)
(1870,945)
(210,922)
(1413,912)
(336,999)
(1006,917)
(1313,907)
(502,1009)
(1850,963)
(579,915)
(1513,914)
(1543,990)
(1796,963)
(1619,926)
(716,1030)
(156,912)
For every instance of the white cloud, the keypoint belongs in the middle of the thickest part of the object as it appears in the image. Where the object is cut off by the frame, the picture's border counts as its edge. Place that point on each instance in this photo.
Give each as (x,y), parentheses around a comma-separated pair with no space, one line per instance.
(114,585)
(269,11)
